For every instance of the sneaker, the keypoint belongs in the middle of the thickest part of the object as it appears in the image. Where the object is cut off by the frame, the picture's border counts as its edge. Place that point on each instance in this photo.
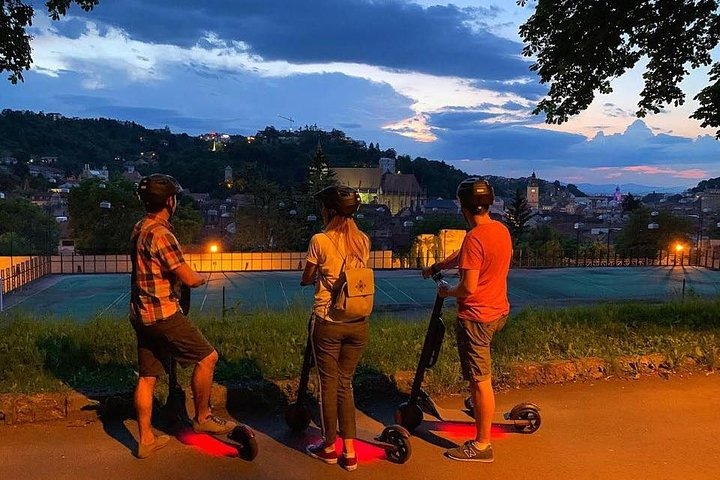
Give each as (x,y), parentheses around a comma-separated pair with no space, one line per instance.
(214,425)
(145,450)
(468,452)
(349,463)
(318,451)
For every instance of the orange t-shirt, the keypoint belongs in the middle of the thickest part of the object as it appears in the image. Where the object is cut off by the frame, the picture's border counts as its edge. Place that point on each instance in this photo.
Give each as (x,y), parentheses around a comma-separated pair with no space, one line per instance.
(487,248)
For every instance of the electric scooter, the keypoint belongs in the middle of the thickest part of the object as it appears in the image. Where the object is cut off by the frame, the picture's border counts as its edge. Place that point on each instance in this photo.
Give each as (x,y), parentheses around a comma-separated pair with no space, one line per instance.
(394,439)
(174,412)
(525,417)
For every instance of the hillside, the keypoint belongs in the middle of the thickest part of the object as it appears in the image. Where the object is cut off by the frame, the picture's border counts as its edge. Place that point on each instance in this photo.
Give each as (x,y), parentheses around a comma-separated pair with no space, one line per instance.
(278,156)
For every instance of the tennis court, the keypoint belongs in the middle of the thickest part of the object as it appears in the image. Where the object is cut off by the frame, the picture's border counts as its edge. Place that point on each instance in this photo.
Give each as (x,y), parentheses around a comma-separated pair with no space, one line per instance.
(84,297)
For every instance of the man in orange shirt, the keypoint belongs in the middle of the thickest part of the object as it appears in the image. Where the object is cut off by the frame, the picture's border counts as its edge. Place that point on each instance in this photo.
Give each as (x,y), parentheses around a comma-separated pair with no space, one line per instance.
(162,328)
(482,306)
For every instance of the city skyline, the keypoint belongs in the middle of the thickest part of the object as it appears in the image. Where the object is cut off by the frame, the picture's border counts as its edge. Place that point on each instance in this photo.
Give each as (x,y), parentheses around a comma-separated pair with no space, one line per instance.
(442,81)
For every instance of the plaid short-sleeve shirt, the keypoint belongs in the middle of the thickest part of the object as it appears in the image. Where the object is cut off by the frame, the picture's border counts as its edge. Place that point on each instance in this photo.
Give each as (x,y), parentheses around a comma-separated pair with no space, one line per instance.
(157,255)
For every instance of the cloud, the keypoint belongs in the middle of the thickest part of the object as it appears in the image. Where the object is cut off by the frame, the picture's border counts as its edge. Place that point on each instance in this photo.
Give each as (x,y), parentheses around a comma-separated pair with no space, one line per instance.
(100,52)
(693,173)
(443,40)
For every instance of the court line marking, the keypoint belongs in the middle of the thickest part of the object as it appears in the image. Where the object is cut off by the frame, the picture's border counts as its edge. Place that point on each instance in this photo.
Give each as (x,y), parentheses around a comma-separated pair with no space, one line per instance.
(401,291)
(113,303)
(284,294)
(383,291)
(207,284)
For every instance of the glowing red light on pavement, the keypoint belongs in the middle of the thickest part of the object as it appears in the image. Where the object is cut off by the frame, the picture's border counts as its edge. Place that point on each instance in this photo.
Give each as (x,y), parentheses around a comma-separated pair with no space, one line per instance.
(464,431)
(207,444)
(366,453)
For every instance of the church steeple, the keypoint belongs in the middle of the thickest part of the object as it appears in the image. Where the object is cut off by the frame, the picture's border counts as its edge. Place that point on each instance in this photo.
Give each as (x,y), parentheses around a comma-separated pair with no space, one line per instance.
(533,193)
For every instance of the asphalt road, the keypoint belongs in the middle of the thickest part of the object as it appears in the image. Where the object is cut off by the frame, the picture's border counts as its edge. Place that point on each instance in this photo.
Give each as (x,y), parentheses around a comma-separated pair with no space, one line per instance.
(612,429)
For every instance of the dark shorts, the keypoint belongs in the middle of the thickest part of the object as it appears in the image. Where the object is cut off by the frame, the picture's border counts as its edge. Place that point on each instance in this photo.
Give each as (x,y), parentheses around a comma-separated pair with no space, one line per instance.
(473,341)
(175,337)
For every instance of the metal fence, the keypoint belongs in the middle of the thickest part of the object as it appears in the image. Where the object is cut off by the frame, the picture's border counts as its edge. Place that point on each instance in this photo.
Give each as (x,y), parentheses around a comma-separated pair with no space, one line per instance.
(27,271)
(22,273)
(544,259)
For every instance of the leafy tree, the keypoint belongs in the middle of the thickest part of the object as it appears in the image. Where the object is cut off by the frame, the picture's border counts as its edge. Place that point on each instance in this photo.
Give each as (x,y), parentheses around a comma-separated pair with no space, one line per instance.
(637,240)
(517,215)
(187,222)
(99,227)
(432,224)
(630,203)
(15,17)
(580,46)
(26,229)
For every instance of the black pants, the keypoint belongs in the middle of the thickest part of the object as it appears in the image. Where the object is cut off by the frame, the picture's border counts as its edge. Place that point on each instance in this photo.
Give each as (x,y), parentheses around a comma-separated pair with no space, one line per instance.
(337,348)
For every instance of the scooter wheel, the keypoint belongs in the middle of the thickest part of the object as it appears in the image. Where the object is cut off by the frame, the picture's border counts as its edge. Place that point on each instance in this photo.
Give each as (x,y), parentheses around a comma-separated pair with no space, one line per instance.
(400,438)
(530,418)
(297,417)
(245,437)
(409,415)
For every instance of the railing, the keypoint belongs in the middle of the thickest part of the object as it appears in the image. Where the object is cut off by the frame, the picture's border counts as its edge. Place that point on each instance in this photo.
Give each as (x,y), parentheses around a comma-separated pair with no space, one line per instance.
(33,268)
(208,262)
(23,272)
(543,259)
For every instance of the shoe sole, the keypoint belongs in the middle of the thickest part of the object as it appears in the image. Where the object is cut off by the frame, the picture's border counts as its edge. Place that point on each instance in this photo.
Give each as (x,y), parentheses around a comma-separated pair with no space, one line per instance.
(478,460)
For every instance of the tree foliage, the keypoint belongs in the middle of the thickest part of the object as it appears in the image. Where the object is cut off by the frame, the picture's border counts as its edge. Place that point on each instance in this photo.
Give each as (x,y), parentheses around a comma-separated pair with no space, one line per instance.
(636,239)
(630,203)
(580,46)
(26,229)
(101,228)
(15,17)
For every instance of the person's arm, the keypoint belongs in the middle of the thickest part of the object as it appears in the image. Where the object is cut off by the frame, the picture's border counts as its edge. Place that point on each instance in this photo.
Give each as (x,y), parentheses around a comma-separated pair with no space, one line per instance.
(308,275)
(466,286)
(450,262)
(188,276)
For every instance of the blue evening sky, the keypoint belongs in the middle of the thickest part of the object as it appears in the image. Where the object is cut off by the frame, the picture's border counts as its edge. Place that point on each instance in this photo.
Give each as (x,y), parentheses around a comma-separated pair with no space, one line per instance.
(442,80)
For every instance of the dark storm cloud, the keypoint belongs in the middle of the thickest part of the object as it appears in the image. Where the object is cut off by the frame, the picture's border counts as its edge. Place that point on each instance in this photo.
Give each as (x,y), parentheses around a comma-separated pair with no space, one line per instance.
(440,40)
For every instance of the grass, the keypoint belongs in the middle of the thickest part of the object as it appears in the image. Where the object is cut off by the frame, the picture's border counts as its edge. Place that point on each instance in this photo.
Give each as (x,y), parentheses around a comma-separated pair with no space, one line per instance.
(41,355)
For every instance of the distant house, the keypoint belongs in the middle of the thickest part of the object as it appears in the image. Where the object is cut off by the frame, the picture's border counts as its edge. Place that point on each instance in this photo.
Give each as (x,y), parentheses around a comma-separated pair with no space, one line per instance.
(103,174)
(440,205)
(46,171)
(131,174)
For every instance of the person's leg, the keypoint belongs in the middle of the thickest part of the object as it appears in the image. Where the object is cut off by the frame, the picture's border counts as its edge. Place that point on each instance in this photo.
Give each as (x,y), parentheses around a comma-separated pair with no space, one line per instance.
(326,350)
(484,409)
(189,347)
(143,406)
(201,385)
(353,344)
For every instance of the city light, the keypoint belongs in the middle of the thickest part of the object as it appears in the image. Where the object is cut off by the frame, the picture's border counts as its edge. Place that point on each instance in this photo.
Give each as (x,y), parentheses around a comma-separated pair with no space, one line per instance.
(214,248)
(678,248)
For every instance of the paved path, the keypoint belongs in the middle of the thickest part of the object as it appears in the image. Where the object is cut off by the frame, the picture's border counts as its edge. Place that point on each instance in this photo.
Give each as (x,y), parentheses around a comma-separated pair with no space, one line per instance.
(614,429)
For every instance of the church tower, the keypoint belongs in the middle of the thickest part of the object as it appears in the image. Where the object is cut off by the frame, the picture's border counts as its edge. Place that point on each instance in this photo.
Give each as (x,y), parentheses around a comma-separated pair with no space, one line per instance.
(533,193)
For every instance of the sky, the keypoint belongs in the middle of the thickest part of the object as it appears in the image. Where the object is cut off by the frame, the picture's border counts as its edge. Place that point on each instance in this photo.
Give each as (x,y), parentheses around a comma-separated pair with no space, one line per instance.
(445,81)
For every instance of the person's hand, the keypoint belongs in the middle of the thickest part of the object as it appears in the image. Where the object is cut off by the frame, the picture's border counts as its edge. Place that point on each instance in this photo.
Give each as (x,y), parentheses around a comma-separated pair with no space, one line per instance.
(426,272)
(443,289)
(200,280)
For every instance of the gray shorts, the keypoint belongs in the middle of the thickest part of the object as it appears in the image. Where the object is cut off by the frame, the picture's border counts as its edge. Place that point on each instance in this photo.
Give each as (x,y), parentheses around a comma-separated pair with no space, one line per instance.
(174,337)
(473,341)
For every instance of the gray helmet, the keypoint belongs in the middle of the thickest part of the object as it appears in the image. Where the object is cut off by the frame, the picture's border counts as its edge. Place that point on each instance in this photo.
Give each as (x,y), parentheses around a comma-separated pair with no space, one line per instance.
(342,200)
(154,190)
(475,193)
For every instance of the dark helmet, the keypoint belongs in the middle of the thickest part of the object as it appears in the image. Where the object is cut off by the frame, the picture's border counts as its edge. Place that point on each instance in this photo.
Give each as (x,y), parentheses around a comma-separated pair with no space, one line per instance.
(475,193)
(340,199)
(154,190)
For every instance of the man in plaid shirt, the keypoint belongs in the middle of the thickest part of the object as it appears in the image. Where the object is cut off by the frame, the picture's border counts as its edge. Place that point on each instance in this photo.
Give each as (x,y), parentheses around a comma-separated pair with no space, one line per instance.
(162,328)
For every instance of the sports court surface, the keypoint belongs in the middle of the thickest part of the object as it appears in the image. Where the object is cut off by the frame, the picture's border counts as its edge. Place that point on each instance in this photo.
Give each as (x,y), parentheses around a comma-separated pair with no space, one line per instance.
(85,297)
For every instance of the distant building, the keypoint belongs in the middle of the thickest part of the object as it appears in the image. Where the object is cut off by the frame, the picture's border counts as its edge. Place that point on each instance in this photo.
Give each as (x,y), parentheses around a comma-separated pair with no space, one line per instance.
(380,186)
(131,174)
(710,198)
(533,193)
(441,206)
(101,174)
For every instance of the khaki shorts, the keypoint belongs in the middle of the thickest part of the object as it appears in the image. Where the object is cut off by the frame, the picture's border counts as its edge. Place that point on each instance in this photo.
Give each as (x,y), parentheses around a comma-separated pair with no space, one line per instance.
(473,341)
(175,337)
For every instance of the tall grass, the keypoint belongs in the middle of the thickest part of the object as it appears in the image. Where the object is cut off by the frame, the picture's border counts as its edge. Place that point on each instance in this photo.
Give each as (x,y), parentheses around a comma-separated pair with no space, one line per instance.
(41,354)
